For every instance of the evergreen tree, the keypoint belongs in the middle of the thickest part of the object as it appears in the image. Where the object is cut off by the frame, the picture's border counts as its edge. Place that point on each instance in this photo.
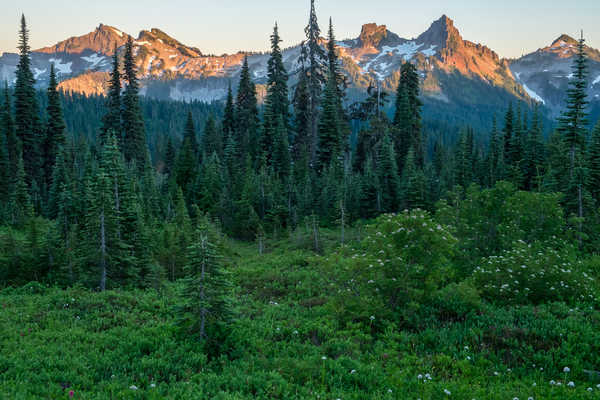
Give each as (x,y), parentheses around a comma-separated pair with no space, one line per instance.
(387,173)
(21,207)
(8,128)
(205,291)
(112,119)
(407,116)
(246,113)
(330,137)
(55,128)
(27,123)
(302,138)
(189,133)
(276,102)
(413,184)
(313,59)
(228,116)
(593,164)
(573,121)
(134,136)
(169,158)
(508,131)
(212,140)
(281,159)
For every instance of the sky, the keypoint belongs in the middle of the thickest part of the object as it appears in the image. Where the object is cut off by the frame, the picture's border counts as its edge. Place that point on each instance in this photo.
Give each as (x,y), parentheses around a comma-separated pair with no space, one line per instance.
(509,27)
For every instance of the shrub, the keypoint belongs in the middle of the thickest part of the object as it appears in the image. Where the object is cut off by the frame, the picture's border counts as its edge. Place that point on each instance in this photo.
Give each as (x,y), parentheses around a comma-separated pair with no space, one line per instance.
(534,274)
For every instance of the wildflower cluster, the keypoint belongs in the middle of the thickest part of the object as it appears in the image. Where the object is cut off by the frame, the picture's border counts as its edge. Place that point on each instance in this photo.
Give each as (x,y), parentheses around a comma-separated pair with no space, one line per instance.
(533,274)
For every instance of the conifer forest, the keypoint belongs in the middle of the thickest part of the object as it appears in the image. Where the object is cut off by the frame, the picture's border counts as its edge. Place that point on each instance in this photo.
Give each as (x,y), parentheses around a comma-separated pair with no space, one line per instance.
(296,240)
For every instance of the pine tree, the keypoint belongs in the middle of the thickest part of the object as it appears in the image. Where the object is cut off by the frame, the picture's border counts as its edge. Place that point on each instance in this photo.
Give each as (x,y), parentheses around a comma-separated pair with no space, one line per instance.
(534,157)
(169,158)
(228,116)
(281,159)
(55,128)
(413,184)
(387,173)
(134,136)
(313,59)
(206,289)
(8,128)
(573,121)
(593,164)
(276,102)
(112,119)
(330,137)
(189,133)
(508,131)
(407,116)
(246,112)
(212,140)
(21,207)
(27,123)
(302,139)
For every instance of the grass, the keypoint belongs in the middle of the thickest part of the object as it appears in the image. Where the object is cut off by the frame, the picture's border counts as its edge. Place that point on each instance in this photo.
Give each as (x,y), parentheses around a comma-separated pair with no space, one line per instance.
(288,342)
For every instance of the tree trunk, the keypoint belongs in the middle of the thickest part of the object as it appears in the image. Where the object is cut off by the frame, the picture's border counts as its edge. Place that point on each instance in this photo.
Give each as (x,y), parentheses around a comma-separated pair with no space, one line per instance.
(102,253)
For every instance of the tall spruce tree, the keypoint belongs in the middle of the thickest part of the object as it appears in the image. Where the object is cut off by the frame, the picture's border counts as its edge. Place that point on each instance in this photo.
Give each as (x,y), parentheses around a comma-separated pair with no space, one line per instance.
(7,126)
(573,121)
(276,102)
(134,135)
(228,116)
(593,164)
(55,128)
(27,123)
(111,121)
(330,137)
(313,59)
(407,116)
(246,112)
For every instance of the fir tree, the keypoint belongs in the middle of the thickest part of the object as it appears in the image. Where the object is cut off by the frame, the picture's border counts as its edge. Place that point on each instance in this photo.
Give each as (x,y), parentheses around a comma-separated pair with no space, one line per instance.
(212,140)
(169,158)
(276,102)
(313,59)
(302,138)
(134,136)
(205,291)
(189,133)
(330,137)
(112,119)
(8,128)
(228,116)
(55,128)
(246,112)
(407,116)
(387,173)
(573,121)
(593,164)
(27,124)
(281,159)
(21,207)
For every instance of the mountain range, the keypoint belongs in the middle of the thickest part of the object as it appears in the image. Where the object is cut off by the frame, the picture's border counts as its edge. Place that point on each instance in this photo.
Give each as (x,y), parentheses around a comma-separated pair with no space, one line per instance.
(463,81)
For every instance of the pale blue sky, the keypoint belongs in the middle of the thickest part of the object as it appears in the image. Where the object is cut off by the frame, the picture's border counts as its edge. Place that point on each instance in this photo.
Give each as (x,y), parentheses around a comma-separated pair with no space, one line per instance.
(510,27)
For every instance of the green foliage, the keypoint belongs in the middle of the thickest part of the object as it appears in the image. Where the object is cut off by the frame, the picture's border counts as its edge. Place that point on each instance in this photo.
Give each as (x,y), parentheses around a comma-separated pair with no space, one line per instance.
(535,274)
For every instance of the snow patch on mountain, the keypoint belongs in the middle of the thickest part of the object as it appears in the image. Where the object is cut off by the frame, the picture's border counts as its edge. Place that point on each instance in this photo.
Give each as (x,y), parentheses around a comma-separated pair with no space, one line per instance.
(37,72)
(533,94)
(597,80)
(117,32)
(60,67)
(142,43)
(94,59)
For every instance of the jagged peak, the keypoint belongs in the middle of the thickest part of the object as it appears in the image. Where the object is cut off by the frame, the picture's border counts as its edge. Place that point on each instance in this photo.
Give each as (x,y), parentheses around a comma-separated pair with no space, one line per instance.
(371,34)
(564,38)
(440,32)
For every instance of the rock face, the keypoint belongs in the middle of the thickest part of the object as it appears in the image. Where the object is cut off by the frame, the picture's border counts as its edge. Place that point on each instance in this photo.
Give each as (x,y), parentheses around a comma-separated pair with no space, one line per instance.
(454,71)
(545,73)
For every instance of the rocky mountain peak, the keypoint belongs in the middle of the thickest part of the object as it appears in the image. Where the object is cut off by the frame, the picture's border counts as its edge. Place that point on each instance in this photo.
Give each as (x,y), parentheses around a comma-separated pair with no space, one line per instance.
(371,35)
(563,40)
(102,40)
(442,33)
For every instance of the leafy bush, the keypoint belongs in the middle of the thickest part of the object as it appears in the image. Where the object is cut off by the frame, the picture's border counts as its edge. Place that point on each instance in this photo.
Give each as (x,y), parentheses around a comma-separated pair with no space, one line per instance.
(534,274)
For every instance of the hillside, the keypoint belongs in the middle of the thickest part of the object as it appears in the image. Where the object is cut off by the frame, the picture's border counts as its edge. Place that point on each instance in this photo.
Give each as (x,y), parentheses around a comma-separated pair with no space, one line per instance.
(288,342)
